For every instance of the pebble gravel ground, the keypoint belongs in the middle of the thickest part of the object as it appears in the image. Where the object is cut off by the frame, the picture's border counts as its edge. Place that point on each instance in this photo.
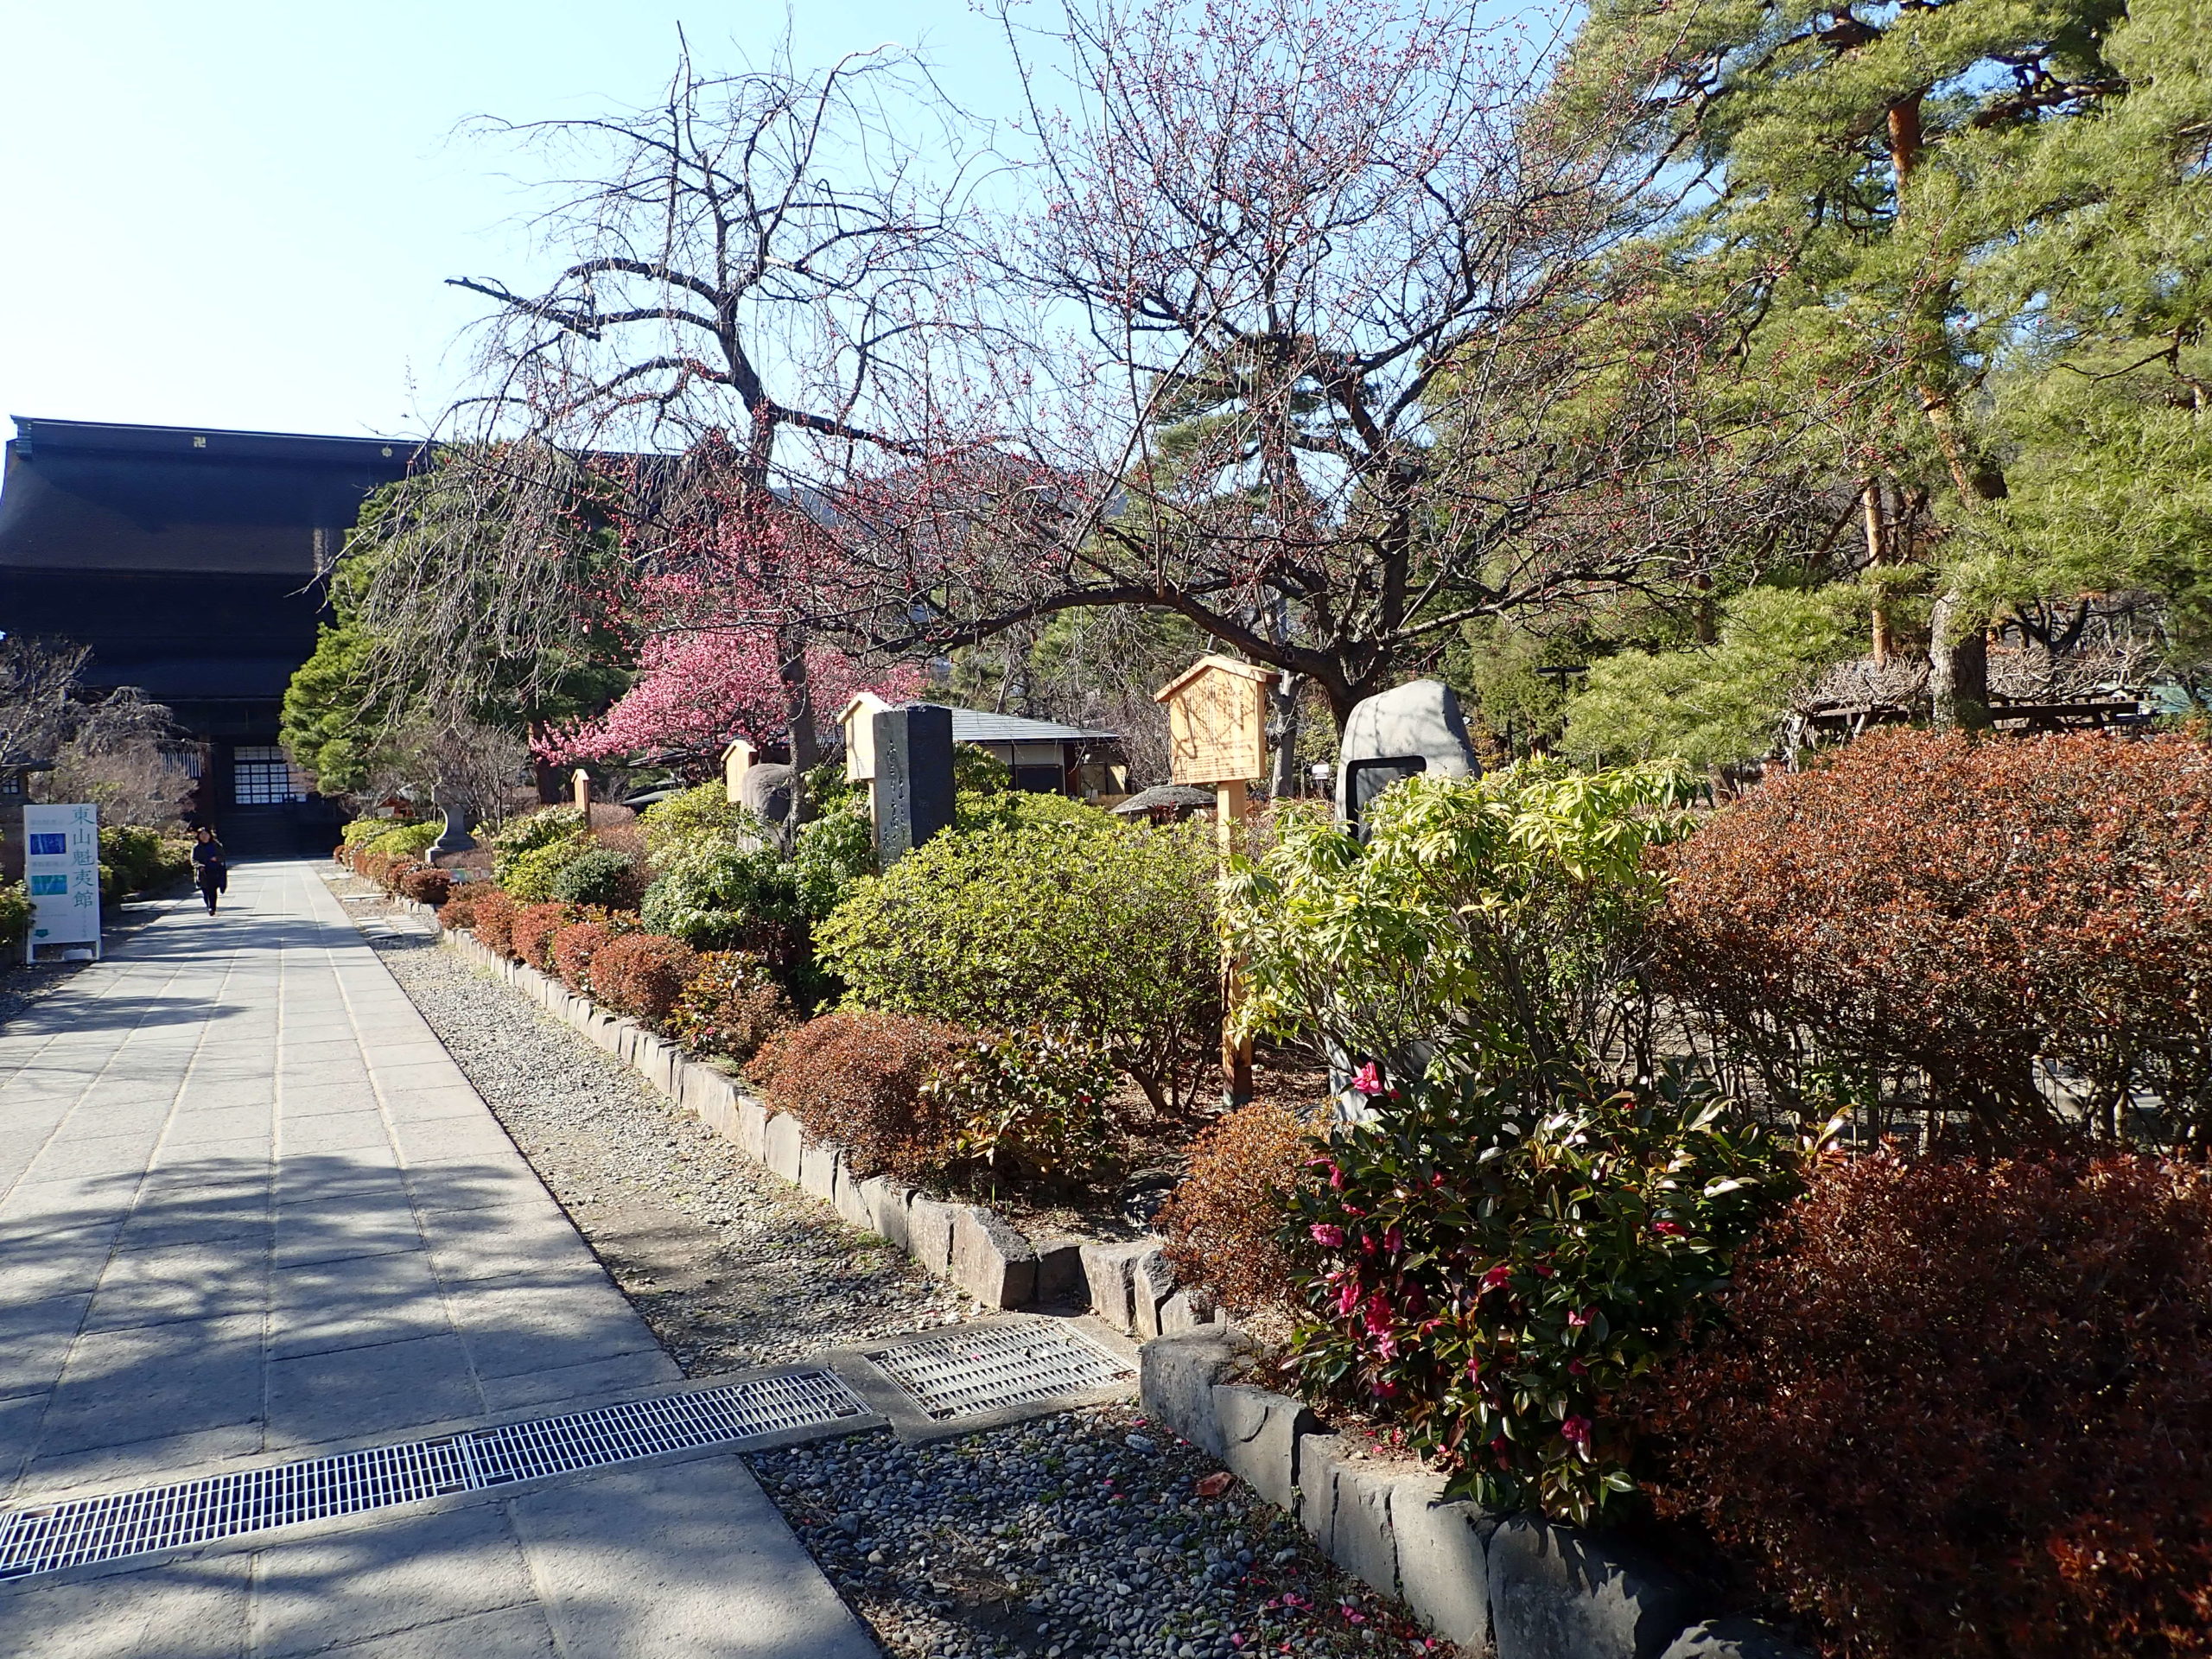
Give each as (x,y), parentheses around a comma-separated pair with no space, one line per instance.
(730,1265)
(1082,1535)
(1085,1534)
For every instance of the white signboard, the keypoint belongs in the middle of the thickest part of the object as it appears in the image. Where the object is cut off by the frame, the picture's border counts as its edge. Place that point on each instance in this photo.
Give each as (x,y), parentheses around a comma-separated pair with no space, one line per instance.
(61,867)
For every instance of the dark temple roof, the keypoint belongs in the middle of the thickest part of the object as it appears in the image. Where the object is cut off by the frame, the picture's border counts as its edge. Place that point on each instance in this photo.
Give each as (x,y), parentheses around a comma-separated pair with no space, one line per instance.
(86,496)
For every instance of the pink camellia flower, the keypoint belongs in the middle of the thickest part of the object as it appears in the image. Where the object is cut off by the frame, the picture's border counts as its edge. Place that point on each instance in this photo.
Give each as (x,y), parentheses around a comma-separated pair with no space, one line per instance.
(1386,1345)
(1369,1080)
(1394,1241)
(1377,1314)
(1327,1235)
(1576,1367)
(1337,1176)
(1543,1269)
(1667,1228)
(1576,1430)
(1475,1369)
(1580,1317)
(1347,1298)
(1500,1274)
(1382,1390)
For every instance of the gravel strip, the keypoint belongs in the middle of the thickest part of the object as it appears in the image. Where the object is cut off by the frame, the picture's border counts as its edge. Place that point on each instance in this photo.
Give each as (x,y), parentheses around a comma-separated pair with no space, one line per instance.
(729,1264)
(1075,1535)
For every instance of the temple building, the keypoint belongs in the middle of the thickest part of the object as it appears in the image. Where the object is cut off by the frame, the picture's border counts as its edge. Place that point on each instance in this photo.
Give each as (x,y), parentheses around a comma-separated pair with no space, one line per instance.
(186,558)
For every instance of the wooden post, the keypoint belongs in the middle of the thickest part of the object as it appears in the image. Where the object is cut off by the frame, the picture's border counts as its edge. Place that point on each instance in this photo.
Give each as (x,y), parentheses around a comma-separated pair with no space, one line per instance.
(581,781)
(1232,802)
(1216,732)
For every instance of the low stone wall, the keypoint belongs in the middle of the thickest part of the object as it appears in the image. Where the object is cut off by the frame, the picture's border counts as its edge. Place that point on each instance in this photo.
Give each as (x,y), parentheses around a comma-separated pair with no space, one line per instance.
(1127,1285)
(1517,1585)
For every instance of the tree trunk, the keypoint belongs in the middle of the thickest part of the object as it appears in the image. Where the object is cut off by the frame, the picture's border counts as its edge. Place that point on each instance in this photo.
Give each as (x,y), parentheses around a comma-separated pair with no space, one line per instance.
(1958,679)
(1877,544)
(1282,733)
(799,724)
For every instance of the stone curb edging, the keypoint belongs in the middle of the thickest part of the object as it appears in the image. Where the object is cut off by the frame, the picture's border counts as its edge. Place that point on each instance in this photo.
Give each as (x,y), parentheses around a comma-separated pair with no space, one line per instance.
(1127,1285)
(1518,1587)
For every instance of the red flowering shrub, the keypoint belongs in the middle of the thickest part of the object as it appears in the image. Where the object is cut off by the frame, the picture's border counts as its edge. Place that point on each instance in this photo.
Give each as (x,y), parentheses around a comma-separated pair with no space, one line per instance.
(1939,913)
(1967,1409)
(493,919)
(731,1007)
(858,1078)
(426,886)
(1491,1268)
(459,911)
(1222,1226)
(642,975)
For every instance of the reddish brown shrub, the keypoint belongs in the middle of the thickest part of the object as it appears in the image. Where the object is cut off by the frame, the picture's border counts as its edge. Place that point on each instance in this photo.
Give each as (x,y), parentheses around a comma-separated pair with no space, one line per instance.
(856,1078)
(1221,1227)
(573,948)
(1967,1409)
(731,1007)
(1928,910)
(373,867)
(458,912)
(642,975)
(533,930)
(426,886)
(494,919)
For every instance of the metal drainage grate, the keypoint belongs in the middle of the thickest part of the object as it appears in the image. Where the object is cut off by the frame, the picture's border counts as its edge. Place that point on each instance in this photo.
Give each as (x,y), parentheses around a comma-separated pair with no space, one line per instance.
(1000,1365)
(48,1538)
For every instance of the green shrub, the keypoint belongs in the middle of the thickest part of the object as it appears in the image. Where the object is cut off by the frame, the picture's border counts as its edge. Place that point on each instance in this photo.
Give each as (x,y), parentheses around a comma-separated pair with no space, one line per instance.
(405,840)
(704,814)
(716,895)
(132,855)
(530,876)
(359,830)
(599,875)
(833,851)
(1064,918)
(519,836)
(16,911)
(1503,914)
(1491,1266)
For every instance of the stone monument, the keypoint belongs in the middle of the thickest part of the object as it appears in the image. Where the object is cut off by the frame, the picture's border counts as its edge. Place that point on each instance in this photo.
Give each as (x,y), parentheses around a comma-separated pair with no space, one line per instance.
(1412,728)
(911,792)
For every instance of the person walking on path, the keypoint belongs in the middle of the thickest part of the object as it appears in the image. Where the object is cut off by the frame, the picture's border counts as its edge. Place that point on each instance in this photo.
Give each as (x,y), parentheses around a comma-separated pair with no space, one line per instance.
(210,868)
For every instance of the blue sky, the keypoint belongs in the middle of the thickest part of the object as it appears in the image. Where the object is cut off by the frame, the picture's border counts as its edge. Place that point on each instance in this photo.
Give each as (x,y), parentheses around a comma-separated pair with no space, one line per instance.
(241,214)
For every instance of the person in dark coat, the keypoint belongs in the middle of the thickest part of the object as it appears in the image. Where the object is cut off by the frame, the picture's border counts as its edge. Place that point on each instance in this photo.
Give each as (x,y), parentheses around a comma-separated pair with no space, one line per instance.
(210,868)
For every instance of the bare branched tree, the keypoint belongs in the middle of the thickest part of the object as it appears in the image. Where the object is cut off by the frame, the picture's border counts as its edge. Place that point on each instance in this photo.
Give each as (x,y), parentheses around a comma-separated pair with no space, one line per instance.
(758,260)
(1328,380)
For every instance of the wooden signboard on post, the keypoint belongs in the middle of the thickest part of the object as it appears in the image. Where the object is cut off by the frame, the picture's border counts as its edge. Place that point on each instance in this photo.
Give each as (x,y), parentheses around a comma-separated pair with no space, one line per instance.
(1217,736)
(1217,720)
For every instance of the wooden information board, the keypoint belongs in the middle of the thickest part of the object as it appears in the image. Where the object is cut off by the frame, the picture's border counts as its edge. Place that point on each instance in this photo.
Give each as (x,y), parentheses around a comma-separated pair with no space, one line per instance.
(1217,720)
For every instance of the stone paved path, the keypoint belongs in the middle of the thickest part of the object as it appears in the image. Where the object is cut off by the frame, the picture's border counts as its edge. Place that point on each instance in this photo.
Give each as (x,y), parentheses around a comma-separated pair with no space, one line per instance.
(251,1210)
